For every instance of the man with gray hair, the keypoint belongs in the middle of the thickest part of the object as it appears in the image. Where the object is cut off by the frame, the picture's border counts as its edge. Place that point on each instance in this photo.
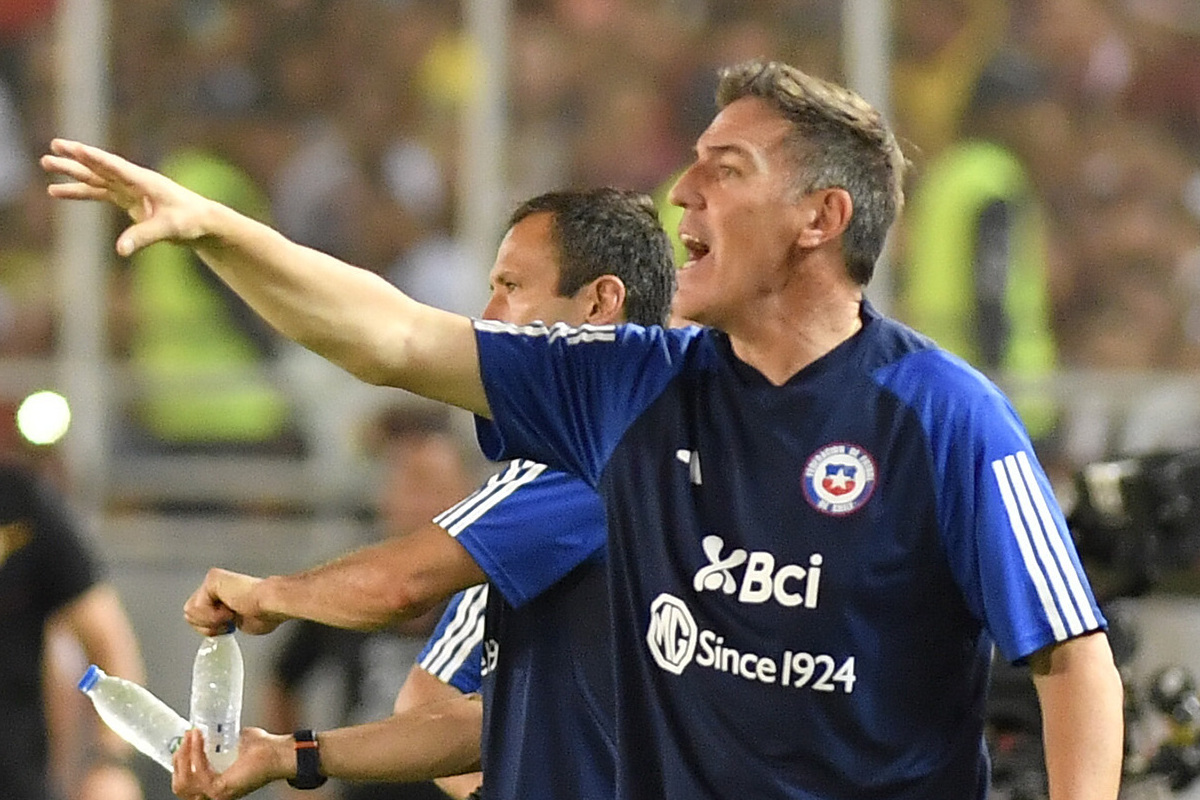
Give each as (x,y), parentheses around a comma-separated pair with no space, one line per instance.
(819,523)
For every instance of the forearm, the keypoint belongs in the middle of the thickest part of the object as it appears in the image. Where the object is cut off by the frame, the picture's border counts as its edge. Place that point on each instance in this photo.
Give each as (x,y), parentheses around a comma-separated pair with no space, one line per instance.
(397,579)
(423,744)
(355,592)
(1082,704)
(351,316)
(313,298)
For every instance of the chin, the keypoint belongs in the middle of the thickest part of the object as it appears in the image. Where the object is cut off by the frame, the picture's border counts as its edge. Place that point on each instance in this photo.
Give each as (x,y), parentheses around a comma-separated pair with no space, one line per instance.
(683,314)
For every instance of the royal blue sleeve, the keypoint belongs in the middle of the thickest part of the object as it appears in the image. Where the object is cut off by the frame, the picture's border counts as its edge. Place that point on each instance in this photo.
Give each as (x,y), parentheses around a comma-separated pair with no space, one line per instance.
(527,527)
(1005,534)
(454,652)
(565,396)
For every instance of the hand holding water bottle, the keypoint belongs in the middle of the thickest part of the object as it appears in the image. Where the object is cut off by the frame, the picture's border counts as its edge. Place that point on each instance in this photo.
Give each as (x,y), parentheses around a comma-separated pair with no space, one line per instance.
(262,758)
(216,698)
(227,597)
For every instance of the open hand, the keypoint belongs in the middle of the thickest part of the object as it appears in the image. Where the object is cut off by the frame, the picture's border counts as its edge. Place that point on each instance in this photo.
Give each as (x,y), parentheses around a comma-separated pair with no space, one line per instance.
(262,757)
(161,209)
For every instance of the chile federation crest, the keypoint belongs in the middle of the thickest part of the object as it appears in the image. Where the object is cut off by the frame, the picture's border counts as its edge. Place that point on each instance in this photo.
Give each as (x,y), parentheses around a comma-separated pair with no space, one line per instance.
(839,479)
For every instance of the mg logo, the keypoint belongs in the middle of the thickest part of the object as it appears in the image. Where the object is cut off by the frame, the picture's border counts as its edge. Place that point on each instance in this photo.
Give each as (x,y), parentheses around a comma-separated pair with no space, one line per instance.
(672,633)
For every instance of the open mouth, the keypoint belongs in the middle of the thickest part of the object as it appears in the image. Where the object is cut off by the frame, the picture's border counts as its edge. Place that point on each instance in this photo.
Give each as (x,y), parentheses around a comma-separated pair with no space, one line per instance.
(696,248)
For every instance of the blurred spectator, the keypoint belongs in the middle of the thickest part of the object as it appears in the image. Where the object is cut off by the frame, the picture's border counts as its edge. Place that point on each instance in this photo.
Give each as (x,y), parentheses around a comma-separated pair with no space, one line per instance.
(27,307)
(1128,215)
(941,49)
(16,169)
(23,24)
(1086,48)
(425,472)
(637,154)
(1165,87)
(363,159)
(1132,290)
(307,190)
(202,356)
(53,593)
(975,276)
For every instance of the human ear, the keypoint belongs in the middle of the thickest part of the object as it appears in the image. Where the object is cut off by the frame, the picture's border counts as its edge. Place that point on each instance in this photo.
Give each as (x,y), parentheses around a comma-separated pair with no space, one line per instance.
(606,300)
(826,215)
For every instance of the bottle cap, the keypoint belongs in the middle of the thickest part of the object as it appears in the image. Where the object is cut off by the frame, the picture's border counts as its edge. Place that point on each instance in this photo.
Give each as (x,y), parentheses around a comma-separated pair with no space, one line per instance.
(230,627)
(90,677)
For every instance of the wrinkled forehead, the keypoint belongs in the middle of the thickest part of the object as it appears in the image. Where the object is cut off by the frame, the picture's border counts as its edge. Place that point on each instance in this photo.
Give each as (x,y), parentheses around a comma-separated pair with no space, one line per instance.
(749,125)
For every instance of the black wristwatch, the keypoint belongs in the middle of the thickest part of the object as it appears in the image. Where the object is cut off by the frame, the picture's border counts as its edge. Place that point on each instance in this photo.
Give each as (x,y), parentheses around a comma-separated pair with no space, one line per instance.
(308,761)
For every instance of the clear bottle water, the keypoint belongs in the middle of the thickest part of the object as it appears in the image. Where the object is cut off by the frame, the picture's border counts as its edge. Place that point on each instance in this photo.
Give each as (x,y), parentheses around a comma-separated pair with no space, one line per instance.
(135,714)
(216,708)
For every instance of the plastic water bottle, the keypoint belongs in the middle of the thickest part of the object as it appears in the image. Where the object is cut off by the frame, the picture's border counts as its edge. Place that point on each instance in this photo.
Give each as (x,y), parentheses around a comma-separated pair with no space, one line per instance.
(135,714)
(217,675)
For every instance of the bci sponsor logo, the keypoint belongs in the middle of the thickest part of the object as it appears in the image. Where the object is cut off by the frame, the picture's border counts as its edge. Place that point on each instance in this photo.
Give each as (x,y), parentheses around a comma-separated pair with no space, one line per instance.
(761,579)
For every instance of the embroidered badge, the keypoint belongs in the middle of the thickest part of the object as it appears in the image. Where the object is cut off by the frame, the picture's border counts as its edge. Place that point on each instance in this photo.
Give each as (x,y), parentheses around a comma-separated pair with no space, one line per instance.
(839,479)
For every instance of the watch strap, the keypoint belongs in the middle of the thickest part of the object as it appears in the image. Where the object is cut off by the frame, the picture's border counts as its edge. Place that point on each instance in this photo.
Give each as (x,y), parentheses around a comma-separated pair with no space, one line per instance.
(308,761)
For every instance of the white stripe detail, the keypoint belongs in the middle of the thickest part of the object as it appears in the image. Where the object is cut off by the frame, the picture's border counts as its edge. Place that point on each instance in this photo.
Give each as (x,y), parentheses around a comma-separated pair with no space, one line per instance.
(559,330)
(498,487)
(1057,543)
(459,637)
(1026,548)
(1042,546)
(507,474)
(452,513)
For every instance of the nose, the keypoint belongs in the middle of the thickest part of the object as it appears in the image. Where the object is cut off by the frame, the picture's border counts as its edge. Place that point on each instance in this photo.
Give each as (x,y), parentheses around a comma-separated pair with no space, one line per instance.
(683,193)
(492,309)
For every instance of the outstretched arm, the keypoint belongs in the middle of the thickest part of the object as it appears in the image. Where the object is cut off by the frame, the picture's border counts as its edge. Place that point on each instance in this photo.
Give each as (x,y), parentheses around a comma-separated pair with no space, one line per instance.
(1083,725)
(400,578)
(427,742)
(350,316)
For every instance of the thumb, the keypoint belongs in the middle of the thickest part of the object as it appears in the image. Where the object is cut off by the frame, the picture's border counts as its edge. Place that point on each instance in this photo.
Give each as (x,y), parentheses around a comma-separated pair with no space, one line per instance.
(151,223)
(137,236)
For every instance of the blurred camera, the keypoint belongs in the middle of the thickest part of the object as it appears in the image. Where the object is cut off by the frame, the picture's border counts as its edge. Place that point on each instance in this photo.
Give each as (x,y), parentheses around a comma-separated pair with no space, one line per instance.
(1136,525)
(1136,522)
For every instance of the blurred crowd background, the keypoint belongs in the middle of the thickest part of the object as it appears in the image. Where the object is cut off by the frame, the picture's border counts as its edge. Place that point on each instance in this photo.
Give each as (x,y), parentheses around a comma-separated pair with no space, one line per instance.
(1052,234)
(342,124)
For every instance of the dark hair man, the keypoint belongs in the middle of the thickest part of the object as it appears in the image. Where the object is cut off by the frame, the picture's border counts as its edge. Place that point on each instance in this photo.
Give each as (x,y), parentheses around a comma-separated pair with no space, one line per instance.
(536,535)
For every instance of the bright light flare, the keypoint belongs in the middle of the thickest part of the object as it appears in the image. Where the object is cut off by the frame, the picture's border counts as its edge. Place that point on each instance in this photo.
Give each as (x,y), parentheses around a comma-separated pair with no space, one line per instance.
(43,417)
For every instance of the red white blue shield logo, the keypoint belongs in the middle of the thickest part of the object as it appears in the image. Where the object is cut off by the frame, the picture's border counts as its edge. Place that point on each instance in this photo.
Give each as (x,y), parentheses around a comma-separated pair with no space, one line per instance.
(839,479)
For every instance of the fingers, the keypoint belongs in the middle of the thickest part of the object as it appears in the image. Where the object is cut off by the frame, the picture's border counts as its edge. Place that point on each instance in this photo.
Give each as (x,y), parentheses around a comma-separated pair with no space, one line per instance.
(192,778)
(226,597)
(161,209)
(70,168)
(84,183)
(107,166)
(205,611)
(87,165)
(78,191)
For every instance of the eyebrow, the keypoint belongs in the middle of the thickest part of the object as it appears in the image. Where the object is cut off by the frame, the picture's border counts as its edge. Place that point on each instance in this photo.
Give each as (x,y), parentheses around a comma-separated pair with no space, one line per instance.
(726,149)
